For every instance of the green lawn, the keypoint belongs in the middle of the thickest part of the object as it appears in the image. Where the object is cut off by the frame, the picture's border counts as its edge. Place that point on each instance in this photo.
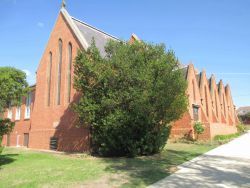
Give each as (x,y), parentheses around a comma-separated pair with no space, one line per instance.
(25,168)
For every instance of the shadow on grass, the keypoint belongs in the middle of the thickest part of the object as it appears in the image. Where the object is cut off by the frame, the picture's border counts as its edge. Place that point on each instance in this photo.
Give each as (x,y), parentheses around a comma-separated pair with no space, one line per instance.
(7,158)
(148,169)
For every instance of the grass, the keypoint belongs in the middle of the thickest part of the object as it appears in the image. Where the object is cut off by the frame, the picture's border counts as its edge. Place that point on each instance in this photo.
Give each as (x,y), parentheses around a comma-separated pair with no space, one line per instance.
(226,138)
(26,168)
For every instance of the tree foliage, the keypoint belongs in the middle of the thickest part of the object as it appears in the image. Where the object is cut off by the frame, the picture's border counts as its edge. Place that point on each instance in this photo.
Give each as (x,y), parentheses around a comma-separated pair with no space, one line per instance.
(6,126)
(13,86)
(129,97)
(244,117)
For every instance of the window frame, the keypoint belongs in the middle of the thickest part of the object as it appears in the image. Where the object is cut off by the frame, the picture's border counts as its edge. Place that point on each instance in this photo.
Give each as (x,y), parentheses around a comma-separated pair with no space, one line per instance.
(195,113)
(18,113)
(59,73)
(69,69)
(9,113)
(28,106)
(49,79)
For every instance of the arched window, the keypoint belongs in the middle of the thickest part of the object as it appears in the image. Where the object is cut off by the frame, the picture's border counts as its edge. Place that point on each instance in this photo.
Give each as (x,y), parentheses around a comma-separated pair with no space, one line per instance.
(216,107)
(206,102)
(69,71)
(193,90)
(49,78)
(58,101)
(224,106)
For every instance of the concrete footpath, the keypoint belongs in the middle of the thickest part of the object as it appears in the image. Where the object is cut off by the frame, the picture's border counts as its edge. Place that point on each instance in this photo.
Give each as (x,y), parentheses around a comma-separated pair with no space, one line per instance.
(226,166)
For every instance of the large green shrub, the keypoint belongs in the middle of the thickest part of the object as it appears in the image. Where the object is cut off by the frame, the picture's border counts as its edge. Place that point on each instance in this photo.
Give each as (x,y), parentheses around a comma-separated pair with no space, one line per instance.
(129,97)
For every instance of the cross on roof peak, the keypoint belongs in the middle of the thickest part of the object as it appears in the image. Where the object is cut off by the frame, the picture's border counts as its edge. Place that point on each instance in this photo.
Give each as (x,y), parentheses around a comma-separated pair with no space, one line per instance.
(63,4)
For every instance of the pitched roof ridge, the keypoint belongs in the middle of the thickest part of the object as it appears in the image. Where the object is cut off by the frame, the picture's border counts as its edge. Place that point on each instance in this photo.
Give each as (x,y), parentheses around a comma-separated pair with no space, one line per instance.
(75,29)
(94,28)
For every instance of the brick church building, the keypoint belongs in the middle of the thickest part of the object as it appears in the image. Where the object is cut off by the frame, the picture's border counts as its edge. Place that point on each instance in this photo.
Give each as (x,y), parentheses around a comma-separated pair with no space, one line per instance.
(45,120)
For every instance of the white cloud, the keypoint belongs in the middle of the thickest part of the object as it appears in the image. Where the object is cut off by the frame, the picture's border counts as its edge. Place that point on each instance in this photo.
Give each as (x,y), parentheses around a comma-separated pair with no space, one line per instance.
(27,72)
(31,78)
(40,24)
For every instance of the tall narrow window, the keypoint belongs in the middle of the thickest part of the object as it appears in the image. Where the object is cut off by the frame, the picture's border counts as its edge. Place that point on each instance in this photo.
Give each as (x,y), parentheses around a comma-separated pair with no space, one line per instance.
(193,90)
(58,101)
(224,106)
(216,107)
(196,112)
(18,113)
(206,101)
(27,106)
(49,78)
(9,113)
(69,71)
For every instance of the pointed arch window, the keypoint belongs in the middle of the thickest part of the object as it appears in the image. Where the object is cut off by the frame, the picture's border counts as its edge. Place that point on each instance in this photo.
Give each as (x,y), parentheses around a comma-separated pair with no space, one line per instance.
(69,71)
(224,105)
(216,103)
(194,91)
(59,74)
(206,102)
(49,78)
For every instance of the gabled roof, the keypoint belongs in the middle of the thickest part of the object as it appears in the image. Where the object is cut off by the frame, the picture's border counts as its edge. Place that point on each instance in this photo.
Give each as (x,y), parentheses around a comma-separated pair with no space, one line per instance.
(90,32)
(85,33)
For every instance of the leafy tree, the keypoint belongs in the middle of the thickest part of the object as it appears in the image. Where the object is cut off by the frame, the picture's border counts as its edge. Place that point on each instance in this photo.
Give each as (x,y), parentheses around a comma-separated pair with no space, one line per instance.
(6,126)
(13,86)
(129,97)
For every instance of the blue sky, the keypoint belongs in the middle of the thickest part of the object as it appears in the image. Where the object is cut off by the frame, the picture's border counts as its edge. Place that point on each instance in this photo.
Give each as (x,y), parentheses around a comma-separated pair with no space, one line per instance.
(212,34)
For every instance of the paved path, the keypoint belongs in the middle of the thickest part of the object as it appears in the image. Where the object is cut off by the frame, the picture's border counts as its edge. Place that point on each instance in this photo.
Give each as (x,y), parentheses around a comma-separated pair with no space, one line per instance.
(227,166)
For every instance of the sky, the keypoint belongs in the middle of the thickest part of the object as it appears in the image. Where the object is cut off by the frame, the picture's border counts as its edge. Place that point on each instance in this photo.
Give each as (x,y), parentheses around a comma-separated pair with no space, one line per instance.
(212,34)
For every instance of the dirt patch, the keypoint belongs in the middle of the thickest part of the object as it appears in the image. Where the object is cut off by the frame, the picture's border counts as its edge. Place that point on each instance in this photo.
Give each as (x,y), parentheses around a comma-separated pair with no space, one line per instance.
(107,181)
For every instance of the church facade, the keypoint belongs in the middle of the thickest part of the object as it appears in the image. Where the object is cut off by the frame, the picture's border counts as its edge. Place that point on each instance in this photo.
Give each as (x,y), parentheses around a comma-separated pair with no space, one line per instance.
(45,120)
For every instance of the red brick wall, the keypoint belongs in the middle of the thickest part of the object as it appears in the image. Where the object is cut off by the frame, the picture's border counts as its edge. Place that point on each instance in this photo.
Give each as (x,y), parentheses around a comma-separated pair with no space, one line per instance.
(182,128)
(221,129)
(56,120)
(21,126)
(208,99)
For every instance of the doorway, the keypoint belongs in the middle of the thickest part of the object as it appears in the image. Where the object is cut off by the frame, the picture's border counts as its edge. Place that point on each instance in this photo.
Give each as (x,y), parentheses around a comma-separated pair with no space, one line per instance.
(26,140)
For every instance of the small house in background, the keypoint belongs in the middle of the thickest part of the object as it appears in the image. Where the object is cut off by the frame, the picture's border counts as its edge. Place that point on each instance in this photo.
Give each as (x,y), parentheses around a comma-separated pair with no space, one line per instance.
(244,114)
